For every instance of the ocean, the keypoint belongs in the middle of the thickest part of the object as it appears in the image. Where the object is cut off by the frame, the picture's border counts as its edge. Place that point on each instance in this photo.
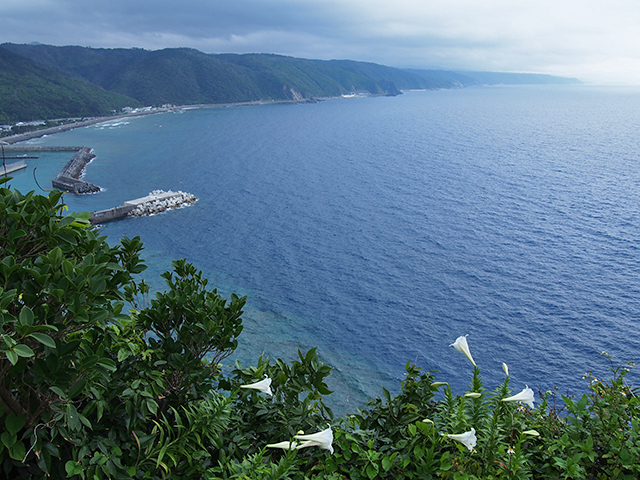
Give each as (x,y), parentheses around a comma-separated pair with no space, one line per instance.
(380,229)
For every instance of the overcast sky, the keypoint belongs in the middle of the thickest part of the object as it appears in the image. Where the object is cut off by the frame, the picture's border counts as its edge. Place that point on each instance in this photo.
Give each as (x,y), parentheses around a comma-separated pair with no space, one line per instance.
(595,40)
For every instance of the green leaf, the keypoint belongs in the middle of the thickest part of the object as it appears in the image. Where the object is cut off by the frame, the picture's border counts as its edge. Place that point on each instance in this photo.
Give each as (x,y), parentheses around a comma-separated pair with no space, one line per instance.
(14,423)
(23,350)
(72,417)
(8,440)
(8,341)
(58,391)
(77,388)
(123,354)
(108,364)
(44,339)
(17,451)
(73,468)
(152,406)
(322,388)
(85,421)
(26,316)
(12,356)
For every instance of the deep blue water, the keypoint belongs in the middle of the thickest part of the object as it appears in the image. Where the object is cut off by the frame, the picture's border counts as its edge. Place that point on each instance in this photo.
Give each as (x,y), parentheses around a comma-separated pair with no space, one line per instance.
(380,229)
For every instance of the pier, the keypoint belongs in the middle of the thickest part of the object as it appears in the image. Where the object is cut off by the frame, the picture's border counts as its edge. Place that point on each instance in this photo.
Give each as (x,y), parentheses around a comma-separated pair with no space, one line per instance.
(38,148)
(69,178)
(12,167)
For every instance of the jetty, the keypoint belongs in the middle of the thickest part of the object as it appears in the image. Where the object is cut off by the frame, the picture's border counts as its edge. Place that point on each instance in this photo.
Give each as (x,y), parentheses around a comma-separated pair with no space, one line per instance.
(38,148)
(12,167)
(156,202)
(69,178)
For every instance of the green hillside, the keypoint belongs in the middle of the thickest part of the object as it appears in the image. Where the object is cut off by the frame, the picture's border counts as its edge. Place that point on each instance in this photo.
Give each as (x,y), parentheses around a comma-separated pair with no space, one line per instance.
(30,91)
(44,81)
(186,76)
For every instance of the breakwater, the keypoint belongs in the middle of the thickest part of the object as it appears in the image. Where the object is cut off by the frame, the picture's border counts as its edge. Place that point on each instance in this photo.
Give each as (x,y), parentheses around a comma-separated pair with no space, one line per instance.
(156,202)
(12,167)
(69,178)
(38,148)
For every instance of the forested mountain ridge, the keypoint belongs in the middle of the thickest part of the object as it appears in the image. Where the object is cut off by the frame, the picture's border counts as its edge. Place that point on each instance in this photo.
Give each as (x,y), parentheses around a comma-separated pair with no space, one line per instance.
(31,91)
(184,76)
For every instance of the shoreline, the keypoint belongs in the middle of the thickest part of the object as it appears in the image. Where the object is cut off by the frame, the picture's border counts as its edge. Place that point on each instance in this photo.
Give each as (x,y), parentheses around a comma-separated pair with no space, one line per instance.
(23,137)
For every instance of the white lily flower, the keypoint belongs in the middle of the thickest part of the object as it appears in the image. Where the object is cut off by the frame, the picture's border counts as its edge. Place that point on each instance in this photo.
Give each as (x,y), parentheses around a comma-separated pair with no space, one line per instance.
(262,385)
(468,439)
(505,368)
(533,433)
(438,384)
(463,347)
(525,396)
(322,439)
(473,395)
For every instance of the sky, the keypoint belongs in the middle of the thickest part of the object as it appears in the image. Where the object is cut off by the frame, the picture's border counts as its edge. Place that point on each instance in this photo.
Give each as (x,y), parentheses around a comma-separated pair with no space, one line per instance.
(597,41)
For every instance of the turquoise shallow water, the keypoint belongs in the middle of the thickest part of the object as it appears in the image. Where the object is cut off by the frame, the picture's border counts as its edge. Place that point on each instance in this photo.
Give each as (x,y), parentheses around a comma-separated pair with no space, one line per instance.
(380,229)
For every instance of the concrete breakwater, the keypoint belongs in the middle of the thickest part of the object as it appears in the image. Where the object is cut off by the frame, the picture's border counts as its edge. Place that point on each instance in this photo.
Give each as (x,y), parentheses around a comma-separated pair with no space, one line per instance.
(69,178)
(156,202)
(159,201)
(12,167)
(38,148)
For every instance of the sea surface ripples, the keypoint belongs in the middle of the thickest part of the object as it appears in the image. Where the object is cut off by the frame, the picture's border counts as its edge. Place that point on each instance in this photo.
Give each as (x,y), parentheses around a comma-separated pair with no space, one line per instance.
(380,229)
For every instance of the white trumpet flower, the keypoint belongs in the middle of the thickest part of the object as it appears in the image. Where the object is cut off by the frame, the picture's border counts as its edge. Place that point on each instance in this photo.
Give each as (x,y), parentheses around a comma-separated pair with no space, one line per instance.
(262,385)
(525,396)
(468,439)
(284,445)
(505,368)
(463,347)
(322,439)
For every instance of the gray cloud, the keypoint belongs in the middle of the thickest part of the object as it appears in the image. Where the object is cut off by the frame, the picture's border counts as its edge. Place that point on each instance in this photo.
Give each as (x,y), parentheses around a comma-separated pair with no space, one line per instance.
(591,39)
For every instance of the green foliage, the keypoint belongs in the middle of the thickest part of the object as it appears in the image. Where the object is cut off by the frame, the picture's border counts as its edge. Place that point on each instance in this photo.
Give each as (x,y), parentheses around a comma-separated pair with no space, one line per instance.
(91,391)
(185,76)
(193,330)
(29,91)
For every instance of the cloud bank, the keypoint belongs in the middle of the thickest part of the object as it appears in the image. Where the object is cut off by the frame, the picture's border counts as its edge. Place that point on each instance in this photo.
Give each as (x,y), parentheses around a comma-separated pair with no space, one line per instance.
(593,40)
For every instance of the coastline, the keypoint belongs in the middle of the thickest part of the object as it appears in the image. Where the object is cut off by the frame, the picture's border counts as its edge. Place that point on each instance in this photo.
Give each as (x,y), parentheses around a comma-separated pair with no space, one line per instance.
(22,137)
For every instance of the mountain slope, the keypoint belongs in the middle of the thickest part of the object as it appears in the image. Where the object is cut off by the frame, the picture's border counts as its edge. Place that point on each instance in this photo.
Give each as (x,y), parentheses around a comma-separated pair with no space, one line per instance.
(184,76)
(29,91)
(187,76)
